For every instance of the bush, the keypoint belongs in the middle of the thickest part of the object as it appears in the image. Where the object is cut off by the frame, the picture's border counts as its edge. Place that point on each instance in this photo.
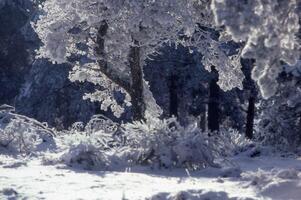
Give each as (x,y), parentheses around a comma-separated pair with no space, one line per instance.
(165,143)
(91,147)
(230,142)
(101,123)
(91,152)
(22,134)
(101,129)
(86,156)
(158,143)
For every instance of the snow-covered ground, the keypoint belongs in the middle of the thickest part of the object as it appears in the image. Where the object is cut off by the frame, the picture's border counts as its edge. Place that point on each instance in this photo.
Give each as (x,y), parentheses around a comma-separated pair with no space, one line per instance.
(256,172)
(261,178)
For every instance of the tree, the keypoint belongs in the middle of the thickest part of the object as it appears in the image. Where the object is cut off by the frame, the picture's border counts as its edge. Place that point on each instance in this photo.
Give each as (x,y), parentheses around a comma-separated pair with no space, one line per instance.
(269,29)
(250,117)
(70,28)
(137,88)
(213,104)
(190,97)
(279,119)
(15,51)
(173,95)
(250,93)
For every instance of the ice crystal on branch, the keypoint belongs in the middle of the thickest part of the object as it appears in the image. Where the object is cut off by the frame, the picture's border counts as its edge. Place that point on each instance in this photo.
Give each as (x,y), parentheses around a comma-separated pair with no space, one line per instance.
(269,29)
(103,32)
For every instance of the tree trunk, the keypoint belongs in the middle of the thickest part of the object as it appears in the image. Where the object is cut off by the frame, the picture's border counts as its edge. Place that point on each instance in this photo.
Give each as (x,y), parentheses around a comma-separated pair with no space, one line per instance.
(250,87)
(203,124)
(213,105)
(173,96)
(250,118)
(138,105)
(103,65)
(135,87)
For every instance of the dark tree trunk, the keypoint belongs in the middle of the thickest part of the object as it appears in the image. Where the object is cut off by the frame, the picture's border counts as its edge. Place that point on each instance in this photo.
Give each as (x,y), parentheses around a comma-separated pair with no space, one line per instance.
(102,31)
(203,124)
(135,87)
(250,118)
(173,96)
(213,105)
(250,86)
(138,105)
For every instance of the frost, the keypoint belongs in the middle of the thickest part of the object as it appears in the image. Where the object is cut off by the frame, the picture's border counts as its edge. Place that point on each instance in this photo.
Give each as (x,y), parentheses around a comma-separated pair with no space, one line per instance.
(23,135)
(164,143)
(269,29)
(73,29)
(105,95)
(279,122)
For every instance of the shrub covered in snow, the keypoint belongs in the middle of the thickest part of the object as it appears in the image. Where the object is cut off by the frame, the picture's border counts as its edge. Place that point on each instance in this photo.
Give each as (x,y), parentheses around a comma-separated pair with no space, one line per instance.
(22,134)
(102,130)
(155,142)
(101,122)
(77,150)
(230,142)
(86,155)
(93,147)
(279,119)
(165,143)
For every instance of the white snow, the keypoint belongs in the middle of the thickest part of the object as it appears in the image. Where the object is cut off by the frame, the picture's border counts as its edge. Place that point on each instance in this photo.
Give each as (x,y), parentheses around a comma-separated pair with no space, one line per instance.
(261,178)
(46,173)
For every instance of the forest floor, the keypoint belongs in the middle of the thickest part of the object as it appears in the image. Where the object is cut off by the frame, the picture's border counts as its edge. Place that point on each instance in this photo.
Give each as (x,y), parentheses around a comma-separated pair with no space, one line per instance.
(260,178)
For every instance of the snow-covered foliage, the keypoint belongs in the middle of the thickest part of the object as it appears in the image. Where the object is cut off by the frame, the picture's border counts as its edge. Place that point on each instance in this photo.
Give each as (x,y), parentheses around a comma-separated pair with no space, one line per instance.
(92,147)
(101,34)
(213,54)
(279,120)
(22,134)
(269,28)
(157,23)
(85,152)
(100,132)
(48,95)
(97,151)
(99,123)
(229,142)
(164,143)
(109,89)
(80,150)
(157,143)
(109,43)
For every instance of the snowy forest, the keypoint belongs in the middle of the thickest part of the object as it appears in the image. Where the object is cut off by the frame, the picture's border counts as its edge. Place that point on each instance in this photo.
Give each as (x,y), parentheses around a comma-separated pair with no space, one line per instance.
(150,99)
